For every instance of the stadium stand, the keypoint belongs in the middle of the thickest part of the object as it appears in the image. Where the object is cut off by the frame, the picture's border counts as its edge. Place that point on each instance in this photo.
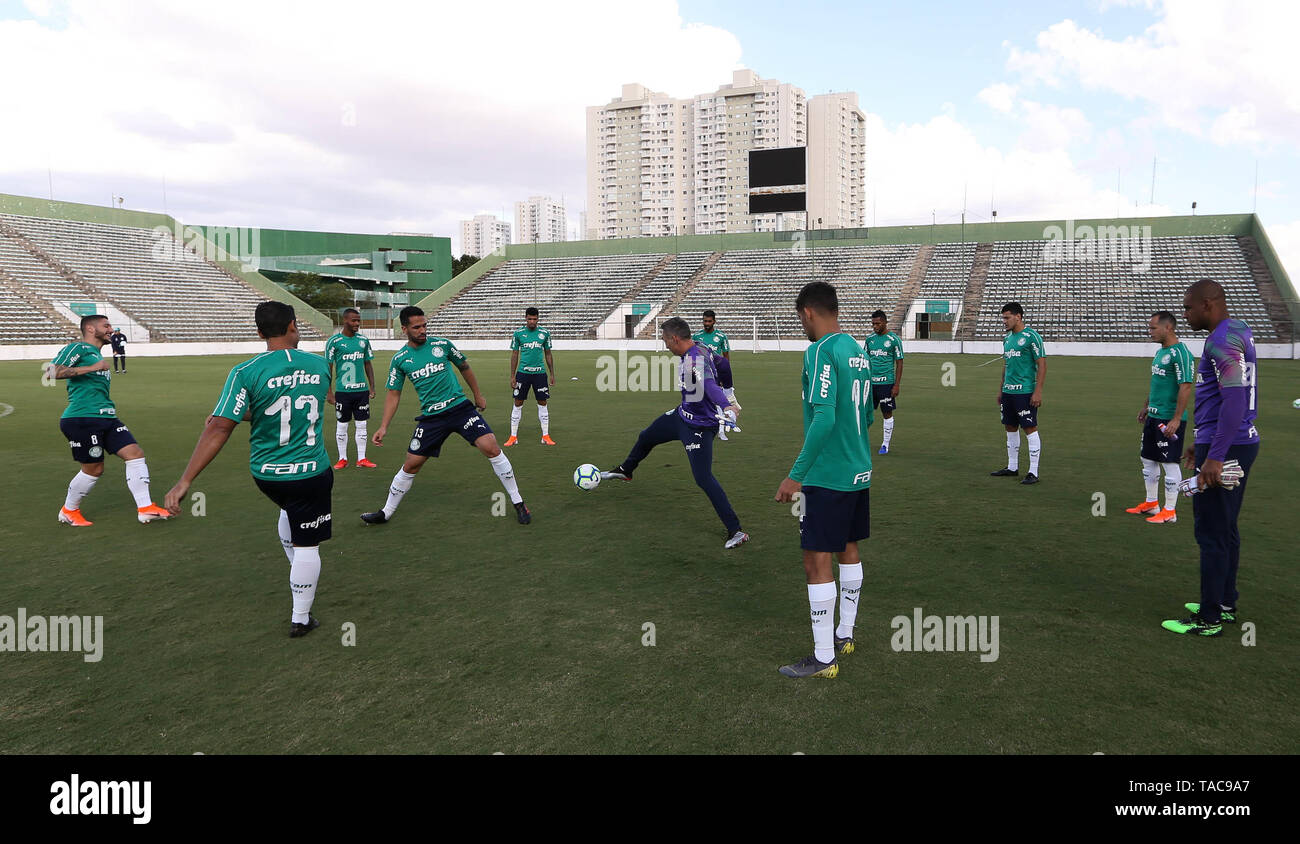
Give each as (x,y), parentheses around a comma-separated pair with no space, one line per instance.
(948,271)
(146,274)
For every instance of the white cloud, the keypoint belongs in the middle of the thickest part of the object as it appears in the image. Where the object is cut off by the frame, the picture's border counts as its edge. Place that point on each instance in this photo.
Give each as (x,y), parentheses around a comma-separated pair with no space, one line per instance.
(1211,69)
(999,96)
(374,116)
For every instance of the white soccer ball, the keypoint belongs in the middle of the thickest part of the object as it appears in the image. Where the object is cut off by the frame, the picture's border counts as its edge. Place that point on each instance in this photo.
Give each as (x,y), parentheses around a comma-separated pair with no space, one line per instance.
(586,477)
(1296,404)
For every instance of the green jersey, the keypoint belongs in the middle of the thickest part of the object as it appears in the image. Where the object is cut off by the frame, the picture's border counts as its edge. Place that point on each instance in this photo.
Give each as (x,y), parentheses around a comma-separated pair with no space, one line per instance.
(1021,350)
(532,346)
(348,356)
(281,393)
(835,374)
(715,340)
(435,383)
(882,351)
(87,394)
(1169,368)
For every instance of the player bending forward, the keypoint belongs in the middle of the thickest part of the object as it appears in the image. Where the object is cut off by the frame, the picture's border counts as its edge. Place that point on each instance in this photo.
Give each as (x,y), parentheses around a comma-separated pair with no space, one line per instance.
(444,411)
(281,392)
(833,472)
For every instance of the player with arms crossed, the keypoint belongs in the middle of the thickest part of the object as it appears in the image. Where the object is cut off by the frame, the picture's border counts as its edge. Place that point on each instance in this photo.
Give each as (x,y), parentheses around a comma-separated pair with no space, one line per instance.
(92,428)
(530,357)
(693,423)
(885,351)
(1172,374)
(444,411)
(1023,371)
(281,392)
(1225,434)
(833,473)
(350,395)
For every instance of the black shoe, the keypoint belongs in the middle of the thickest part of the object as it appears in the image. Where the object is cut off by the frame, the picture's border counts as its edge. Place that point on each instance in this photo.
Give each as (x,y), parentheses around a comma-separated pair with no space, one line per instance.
(1031,478)
(296,630)
(375,518)
(617,473)
(521,510)
(1005,473)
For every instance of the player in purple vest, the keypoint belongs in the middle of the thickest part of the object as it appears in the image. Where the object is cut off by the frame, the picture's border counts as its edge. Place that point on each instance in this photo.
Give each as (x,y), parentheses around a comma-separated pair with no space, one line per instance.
(1226,401)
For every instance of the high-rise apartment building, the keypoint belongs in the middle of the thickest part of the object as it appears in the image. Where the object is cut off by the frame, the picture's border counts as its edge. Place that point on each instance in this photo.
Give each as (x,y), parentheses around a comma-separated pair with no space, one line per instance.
(540,219)
(639,160)
(483,235)
(658,165)
(837,161)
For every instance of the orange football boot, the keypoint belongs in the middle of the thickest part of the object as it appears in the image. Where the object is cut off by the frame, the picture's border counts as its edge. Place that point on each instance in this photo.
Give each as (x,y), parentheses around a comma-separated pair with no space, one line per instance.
(151,513)
(546,440)
(366,464)
(510,442)
(73,517)
(1164,517)
(1145,507)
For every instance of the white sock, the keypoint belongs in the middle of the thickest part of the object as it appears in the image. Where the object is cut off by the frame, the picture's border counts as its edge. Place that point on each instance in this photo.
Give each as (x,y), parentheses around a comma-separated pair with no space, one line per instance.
(304,571)
(1013,450)
(1035,449)
(341,437)
(401,485)
(1173,477)
(501,465)
(137,480)
(889,431)
(850,590)
(286,538)
(544,416)
(78,488)
(360,438)
(1151,477)
(515,415)
(821,601)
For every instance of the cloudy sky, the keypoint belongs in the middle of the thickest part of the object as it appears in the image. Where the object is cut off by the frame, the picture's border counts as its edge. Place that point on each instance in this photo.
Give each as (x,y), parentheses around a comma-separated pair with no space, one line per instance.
(387,116)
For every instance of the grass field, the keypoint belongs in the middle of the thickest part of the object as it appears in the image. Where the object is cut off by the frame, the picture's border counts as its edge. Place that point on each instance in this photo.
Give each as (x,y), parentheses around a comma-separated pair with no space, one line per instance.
(475,634)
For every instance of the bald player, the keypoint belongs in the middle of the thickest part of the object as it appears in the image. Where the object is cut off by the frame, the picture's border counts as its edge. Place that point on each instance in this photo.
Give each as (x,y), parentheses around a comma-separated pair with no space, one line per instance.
(1226,401)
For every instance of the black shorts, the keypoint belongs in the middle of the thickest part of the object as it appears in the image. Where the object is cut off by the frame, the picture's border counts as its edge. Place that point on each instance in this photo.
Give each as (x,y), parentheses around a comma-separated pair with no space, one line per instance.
(1156,446)
(119,353)
(354,405)
(536,380)
(831,519)
(307,503)
(1016,410)
(882,396)
(91,437)
(432,431)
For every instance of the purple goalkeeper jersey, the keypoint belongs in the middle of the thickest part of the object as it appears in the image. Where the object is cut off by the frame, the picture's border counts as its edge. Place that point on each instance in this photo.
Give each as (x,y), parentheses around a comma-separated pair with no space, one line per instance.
(1225,389)
(702,398)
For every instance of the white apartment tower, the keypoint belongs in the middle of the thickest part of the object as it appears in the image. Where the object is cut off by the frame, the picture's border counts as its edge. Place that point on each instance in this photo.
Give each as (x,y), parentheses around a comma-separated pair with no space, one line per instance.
(639,166)
(658,166)
(540,219)
(483,235)
(750,113)
(837,161)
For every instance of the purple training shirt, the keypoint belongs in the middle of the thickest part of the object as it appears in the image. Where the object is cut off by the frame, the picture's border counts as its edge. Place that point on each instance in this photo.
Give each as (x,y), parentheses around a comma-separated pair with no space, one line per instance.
(702,398)
(1225,389)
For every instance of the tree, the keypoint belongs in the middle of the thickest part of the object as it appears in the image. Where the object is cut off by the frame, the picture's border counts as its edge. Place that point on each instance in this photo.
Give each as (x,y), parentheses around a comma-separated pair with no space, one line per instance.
(464,262)
(324,295)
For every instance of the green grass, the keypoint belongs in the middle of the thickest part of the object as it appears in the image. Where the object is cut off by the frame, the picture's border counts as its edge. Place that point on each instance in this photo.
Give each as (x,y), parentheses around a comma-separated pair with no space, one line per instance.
(475,634)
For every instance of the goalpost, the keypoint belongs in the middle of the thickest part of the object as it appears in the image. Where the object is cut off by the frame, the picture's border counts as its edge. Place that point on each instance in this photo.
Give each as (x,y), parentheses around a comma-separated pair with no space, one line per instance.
(758,349)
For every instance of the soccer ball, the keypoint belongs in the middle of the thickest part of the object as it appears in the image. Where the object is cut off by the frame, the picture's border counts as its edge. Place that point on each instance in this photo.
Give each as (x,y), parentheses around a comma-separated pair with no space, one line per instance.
(1296,404)
(586,477)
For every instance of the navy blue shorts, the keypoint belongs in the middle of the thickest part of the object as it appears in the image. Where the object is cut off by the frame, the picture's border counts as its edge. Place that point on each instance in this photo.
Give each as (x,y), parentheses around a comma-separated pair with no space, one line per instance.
(831,519)
(352,405)
(1016,410)
(307,503)
(536,380)
(432,431)
(91,437)
(1156,446)
(882,396)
